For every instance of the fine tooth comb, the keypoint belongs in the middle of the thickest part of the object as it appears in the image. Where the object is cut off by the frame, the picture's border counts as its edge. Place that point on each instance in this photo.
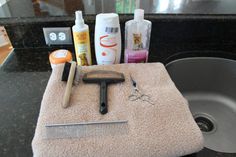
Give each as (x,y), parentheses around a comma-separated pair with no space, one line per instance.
(86,129)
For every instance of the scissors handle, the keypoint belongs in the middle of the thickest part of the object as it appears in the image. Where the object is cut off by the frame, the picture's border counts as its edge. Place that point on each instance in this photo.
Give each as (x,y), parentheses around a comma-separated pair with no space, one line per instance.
(137,94)
(133,97)
(146,98)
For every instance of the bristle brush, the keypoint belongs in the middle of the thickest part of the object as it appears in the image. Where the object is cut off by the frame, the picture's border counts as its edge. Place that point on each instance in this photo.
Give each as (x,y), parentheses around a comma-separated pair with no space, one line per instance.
(70,74)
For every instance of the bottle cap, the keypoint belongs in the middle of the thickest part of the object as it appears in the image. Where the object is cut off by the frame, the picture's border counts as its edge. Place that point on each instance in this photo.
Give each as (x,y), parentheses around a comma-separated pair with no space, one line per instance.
(138,14)
(60,56)
(107,19)
(79,21)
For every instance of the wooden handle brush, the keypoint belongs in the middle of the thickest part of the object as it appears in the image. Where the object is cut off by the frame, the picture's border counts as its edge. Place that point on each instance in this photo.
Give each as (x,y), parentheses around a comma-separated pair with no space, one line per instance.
(70,80)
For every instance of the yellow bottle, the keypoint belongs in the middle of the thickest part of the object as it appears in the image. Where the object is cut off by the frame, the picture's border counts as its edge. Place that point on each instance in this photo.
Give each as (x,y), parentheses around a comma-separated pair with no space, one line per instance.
(81,41)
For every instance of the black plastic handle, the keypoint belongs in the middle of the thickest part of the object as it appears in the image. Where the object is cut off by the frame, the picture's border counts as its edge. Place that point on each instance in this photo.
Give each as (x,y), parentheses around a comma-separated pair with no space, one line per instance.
(103,98)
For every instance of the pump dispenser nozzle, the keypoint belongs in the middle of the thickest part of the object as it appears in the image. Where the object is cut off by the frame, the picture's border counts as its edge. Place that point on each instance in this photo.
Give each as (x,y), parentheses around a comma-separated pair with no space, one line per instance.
(79,21)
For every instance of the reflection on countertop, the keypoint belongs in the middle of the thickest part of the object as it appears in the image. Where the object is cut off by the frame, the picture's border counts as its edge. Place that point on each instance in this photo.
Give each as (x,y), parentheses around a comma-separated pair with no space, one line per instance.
(27,60)
(36,8)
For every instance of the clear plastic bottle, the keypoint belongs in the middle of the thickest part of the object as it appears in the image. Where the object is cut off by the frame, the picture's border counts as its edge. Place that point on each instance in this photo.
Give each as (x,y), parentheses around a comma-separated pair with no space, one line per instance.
(137,38)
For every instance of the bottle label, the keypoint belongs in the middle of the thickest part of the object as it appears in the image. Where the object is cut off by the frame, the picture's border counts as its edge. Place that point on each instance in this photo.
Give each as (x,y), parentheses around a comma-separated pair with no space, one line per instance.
(82,48)
(108,43)
(137,41)
(137,54)
(61,54)
(111,30)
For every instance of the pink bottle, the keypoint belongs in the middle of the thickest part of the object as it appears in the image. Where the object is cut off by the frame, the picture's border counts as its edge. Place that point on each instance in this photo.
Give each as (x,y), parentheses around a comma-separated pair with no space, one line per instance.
(137,38)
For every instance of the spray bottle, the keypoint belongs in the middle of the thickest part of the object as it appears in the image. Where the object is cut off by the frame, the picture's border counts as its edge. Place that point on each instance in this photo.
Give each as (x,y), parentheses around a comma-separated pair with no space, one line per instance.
(81,40)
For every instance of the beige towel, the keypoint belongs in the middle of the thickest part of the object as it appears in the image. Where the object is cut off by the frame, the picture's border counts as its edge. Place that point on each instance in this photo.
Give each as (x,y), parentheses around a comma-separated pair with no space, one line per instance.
(165,129)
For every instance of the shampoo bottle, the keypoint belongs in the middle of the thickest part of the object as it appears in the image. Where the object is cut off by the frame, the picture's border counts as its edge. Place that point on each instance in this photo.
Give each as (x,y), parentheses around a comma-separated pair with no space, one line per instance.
(81,40)
(107,38)
(137,38)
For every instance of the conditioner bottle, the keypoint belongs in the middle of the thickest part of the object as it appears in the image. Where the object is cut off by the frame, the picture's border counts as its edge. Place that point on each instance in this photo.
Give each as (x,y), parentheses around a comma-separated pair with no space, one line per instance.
(107,38)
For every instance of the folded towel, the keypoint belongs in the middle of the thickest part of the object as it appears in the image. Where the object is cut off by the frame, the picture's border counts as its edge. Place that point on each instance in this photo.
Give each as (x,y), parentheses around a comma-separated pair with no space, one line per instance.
(165,129)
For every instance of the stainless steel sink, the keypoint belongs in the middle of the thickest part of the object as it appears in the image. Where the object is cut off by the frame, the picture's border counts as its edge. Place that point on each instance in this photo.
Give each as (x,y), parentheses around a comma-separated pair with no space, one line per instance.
(209,84)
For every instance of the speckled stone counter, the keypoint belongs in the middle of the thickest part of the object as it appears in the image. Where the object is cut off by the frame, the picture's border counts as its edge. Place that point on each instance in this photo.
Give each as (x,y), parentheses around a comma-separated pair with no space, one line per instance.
(22,84)
(23,79)
(20,97)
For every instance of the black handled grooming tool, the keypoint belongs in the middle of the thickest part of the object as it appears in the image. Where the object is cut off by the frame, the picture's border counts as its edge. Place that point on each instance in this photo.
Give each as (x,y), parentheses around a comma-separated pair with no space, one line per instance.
(103,78)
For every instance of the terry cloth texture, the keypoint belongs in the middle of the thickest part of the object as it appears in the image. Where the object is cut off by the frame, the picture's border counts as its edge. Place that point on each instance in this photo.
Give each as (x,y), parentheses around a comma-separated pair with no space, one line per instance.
(165,129)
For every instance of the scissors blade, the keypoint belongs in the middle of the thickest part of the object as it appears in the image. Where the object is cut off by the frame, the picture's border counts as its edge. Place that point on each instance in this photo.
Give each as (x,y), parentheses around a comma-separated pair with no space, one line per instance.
(132,81)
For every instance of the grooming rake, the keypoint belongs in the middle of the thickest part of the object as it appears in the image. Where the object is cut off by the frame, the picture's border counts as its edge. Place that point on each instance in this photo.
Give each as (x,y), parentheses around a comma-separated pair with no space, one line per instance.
(104,78)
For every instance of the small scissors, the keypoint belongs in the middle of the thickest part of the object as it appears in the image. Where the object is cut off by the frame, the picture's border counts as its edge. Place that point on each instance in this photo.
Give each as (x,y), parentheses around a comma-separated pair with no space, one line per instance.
(137,94)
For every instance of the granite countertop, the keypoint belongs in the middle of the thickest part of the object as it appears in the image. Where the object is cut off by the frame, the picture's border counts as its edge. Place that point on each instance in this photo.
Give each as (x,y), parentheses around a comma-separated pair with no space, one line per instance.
(23,79)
